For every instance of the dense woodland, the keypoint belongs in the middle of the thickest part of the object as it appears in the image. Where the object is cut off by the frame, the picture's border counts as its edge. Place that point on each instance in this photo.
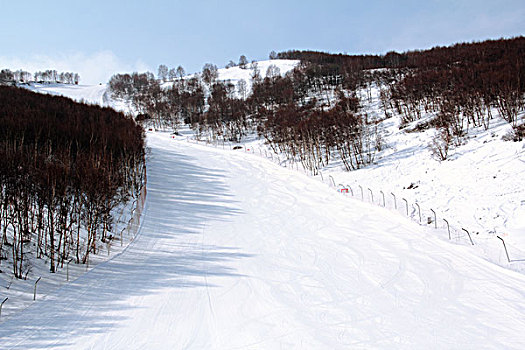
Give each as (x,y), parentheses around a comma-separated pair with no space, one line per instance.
(64,167)
(314,113)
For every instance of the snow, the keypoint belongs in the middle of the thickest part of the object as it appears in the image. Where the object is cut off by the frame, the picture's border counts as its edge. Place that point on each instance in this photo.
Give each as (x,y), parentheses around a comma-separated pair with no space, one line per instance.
(91,94)
(94,94)
(236,73)
(480,187)
(100,94)
(236,252)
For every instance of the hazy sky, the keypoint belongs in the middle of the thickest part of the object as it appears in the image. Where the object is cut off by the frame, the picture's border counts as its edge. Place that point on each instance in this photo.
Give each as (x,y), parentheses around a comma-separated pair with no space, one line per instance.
(98,38)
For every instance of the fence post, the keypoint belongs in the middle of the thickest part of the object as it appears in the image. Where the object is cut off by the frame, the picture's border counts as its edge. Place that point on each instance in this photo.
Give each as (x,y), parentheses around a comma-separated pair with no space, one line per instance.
(448,228)
(383,198)
(371,195)
(321,173)
(504,246)
(406,204)
(67,269)
(121,231)
(350,190)
(2,304)
(395,201)
(468,233)
(362,194)
(419,210)
(435,218)
(34,292)
(331,178)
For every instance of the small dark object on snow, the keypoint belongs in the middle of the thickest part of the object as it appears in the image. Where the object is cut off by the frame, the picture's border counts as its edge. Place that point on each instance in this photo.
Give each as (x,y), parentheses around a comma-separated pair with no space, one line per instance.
(237,147)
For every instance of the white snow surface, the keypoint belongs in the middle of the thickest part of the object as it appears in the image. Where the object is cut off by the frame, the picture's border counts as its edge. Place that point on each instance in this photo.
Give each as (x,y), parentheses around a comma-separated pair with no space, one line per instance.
(94,94)
(480,187)
(236,73)
(235,252)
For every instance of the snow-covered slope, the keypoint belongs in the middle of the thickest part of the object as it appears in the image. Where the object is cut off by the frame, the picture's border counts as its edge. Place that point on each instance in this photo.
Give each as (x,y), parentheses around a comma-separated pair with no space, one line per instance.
(99,94)
(236,73)
(237,253)
(480,188)
(93,94)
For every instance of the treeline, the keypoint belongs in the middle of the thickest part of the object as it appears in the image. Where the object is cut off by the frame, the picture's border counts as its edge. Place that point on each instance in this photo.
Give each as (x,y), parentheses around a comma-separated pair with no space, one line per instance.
(64,167)
(8,77)
(315,136)
(299,113)
(163,107)
(438,56)
(459,85)
(313,113)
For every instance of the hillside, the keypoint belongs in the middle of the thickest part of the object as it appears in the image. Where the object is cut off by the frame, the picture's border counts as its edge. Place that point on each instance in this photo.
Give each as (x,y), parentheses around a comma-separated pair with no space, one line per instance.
(477,187)
(69,173)
(236,252)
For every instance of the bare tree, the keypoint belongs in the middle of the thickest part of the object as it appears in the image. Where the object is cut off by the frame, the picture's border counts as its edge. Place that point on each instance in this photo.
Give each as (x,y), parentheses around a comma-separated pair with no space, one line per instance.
(162,72)
(172,74)
(242,88)
(243,62)
(209,73)
(256,73)
(273,71)
(180,72)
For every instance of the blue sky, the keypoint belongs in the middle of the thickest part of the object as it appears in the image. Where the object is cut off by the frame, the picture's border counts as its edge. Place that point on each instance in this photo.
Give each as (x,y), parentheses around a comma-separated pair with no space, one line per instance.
(98,38)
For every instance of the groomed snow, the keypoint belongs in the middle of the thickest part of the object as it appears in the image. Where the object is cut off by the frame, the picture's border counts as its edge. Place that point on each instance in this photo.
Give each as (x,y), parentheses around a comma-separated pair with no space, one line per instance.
(238,253)
(94,94)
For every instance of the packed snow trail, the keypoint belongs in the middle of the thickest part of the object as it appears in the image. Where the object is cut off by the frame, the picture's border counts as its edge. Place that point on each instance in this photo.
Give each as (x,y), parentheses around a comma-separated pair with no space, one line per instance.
(235,252)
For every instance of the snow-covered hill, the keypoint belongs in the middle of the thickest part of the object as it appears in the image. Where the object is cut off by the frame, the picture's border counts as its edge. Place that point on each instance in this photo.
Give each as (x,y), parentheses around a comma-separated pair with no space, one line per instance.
(479,188)
(234,74)
(236,252)
(99,94)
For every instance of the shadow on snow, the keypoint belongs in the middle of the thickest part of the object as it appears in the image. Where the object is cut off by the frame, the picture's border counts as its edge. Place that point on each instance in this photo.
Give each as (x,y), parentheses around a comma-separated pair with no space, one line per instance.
(170,252)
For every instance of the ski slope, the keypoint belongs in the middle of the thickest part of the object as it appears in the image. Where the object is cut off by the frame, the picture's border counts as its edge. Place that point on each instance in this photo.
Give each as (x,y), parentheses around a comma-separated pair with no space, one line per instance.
(235,252)
(94,94)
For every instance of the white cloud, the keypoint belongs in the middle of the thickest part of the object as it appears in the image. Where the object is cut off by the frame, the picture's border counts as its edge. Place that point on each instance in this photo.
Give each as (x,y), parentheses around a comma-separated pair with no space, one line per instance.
(93,68)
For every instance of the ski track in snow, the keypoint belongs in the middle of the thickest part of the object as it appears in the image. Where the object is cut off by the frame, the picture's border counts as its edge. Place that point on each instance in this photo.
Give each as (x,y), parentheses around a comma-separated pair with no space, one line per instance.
(235,252)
